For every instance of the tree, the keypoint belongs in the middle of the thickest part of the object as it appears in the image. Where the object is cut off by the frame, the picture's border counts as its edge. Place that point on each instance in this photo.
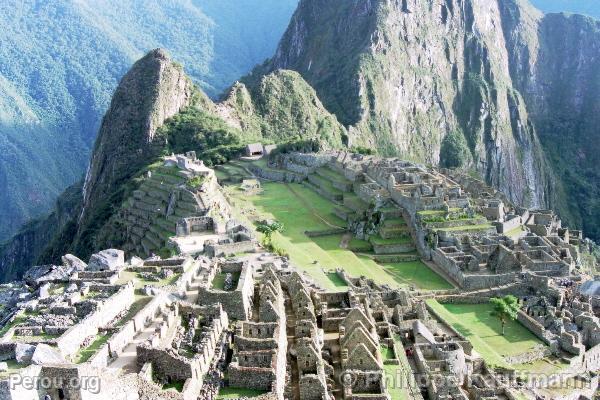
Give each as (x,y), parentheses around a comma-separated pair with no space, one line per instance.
(268,229)
(505,308)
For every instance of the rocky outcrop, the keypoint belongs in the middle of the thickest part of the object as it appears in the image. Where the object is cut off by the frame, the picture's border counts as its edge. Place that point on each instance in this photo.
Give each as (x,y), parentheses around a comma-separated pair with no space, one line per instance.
(280,106)
(555,64)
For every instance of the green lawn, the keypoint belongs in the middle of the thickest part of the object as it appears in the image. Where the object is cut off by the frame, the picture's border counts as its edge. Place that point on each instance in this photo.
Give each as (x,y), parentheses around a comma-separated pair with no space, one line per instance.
(218,282)
(417,274)
(336,280)
(12,367)
(236,393)
(301,209)
(485,332)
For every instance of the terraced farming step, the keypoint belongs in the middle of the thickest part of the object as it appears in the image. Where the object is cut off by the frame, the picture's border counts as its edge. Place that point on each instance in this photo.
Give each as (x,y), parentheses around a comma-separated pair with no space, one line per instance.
(337,180)
(392,246)
(326,186)
(396,258)
(394,232)
(335,198)
(353,202)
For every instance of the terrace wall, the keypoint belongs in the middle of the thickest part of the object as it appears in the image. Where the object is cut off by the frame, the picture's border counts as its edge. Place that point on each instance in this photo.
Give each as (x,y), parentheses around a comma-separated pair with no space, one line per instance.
(70,342)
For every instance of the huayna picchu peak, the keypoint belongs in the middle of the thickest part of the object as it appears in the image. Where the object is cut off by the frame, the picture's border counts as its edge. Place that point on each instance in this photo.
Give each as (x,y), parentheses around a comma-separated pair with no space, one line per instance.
(401,203)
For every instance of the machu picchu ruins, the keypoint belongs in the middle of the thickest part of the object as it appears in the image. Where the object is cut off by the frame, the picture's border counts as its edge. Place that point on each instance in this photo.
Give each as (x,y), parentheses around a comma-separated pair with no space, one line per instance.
(377,286)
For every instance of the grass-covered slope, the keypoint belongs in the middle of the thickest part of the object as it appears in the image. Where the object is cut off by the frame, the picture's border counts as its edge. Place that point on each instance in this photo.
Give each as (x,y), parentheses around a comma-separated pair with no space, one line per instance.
(60,62)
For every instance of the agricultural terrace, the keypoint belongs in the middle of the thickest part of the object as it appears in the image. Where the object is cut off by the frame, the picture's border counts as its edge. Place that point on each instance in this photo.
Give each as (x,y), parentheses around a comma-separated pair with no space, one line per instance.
(302,209)
(484,331)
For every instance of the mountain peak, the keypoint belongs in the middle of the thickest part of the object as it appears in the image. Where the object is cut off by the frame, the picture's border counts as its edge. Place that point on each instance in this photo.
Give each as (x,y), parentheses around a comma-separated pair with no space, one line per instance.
(153,90)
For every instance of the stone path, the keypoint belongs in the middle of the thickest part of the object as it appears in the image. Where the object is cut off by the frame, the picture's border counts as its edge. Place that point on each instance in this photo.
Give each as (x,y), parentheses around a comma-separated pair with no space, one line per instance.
(127,359)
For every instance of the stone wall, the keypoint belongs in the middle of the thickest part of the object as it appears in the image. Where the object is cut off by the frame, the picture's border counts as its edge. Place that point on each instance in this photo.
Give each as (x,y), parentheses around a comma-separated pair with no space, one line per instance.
(165,364)
(237,303)
(530,356)
(536,328)
(252,377)
(229,249)
(70,342)
(471,281)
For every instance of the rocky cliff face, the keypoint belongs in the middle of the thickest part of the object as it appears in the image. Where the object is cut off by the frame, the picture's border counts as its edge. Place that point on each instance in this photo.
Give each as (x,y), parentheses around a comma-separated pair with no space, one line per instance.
(427,80)
(555,62)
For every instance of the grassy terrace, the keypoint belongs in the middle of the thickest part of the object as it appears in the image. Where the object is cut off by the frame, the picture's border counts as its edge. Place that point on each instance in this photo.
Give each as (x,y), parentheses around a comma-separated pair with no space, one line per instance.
(139,283)
(86,353)
(236,393)
(397,240)
(332,175)
(484,331)
(301,209)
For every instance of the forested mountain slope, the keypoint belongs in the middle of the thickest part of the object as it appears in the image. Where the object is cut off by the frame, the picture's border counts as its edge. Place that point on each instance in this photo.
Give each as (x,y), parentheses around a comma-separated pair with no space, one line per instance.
(491,86)
(60,62)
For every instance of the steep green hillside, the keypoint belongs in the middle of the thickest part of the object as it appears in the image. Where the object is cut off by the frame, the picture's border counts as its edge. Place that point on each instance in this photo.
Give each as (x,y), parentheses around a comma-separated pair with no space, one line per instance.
(586,7)
(515,101)
(157,110)
(60,62)
(405,75)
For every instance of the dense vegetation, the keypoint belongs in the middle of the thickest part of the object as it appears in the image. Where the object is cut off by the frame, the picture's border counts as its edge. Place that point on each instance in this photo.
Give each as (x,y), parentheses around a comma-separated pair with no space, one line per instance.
(60,62)
(214,141)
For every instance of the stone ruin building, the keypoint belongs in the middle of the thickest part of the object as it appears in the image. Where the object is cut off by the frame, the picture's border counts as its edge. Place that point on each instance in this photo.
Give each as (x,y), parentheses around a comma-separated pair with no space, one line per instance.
(223,313)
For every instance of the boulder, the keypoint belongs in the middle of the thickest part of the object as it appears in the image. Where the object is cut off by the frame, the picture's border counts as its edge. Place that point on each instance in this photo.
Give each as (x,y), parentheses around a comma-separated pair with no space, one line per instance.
(45,354)
(107,260)
(73,262)
(136,262)
(24,352)
(37,276)
(44,291)
(72,288)
(34,274)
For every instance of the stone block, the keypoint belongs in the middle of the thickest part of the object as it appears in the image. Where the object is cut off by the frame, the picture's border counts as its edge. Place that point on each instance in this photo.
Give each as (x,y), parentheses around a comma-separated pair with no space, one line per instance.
(45,354)
(107,260)
(24,352)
